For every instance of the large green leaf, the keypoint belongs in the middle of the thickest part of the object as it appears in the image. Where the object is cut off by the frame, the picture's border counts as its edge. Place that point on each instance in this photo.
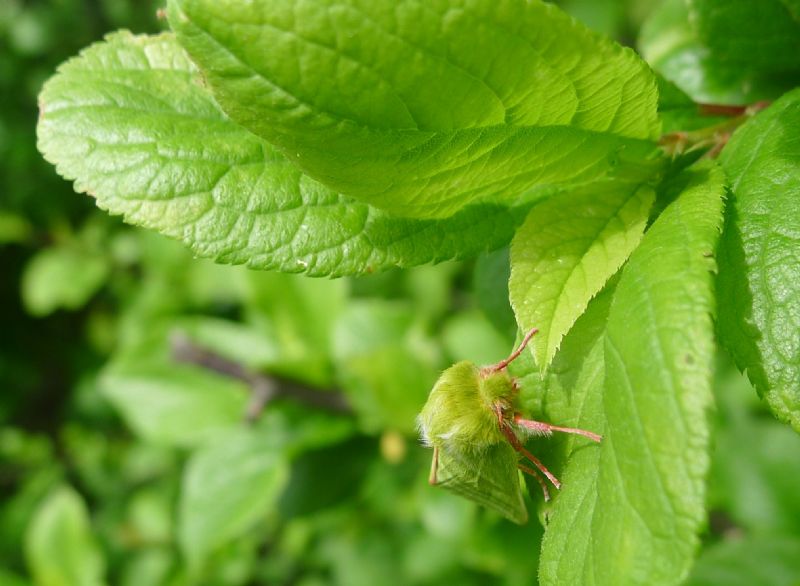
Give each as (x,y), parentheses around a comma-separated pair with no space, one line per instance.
(564,253)
(227,487)
(423,107)
(130,123)
(59,545)
(631,515)
(759,279)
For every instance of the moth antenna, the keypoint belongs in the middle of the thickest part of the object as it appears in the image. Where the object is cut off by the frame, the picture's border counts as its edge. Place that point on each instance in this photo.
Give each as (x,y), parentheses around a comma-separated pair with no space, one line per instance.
(543,428)
(531,472)
(514,355)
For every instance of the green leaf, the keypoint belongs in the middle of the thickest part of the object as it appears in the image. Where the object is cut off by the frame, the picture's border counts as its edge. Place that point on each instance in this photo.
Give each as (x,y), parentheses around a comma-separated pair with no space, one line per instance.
(226,488)
(564,253)
(761,35)
(759,559)
(638,522)
(672,47)
(659,359)
(573,396)
(759,279)
(62,277)
(420,108)
(59,545)
(679,112)
(129,121)
(173,404)
(490,287)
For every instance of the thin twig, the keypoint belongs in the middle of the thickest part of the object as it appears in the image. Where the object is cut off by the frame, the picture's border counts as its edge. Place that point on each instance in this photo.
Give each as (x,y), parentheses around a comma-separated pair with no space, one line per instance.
(265,388)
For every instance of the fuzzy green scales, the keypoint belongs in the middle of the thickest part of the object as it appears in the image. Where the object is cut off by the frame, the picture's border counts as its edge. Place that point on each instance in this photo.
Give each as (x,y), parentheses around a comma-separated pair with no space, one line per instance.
(461,406)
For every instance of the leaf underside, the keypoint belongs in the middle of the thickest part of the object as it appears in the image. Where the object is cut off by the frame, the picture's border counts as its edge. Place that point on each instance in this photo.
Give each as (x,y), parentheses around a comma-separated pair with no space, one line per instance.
(129,122)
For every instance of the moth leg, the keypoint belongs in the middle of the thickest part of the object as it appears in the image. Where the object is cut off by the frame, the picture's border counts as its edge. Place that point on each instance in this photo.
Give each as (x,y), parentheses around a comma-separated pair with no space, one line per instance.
(546,429)
(432,480)
(517,445)
(531,472)
(514,355)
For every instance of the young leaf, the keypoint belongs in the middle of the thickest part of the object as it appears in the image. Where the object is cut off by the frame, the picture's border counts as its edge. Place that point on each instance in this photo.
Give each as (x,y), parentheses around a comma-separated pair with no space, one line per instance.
(759,279)
(226,488)
(59,545)
(420,108)
(129,122)
(564,253)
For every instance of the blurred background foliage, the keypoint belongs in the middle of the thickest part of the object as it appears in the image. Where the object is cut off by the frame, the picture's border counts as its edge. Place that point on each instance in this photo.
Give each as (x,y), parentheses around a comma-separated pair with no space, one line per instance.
(168,421)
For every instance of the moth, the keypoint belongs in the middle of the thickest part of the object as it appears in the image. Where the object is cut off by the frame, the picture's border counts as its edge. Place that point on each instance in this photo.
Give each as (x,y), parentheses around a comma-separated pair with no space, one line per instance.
(472,422)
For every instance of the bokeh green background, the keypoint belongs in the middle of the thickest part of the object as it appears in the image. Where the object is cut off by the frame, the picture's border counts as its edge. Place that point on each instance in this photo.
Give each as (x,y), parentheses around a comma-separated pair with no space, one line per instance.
(121,465)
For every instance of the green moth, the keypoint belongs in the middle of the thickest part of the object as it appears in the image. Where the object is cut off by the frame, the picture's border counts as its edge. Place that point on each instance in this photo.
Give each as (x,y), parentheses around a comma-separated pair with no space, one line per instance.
(472,423)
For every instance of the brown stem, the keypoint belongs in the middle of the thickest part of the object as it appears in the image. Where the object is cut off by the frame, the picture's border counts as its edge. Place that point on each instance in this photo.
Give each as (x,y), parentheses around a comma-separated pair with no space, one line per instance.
(725,110)
(265,388)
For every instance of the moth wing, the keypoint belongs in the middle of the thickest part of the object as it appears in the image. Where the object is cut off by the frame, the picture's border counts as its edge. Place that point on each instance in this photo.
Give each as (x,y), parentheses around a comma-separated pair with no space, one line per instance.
(488,477)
